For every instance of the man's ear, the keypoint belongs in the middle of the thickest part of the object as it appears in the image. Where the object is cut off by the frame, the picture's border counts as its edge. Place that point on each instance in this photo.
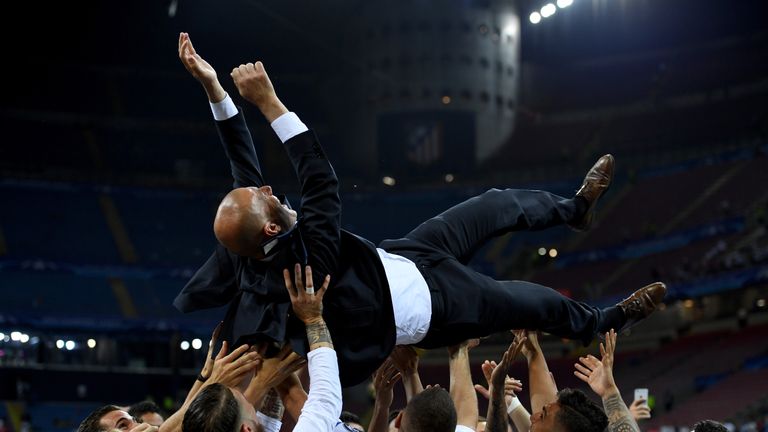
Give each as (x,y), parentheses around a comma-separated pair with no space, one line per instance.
(272,229)
(399,419)
(246,427)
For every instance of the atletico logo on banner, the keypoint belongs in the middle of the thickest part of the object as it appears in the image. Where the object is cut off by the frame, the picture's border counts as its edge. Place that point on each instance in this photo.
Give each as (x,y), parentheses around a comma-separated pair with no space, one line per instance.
(424,143)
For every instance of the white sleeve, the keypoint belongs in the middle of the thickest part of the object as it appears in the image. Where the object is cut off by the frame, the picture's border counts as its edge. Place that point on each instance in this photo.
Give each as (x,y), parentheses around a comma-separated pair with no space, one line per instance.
(322,409)
(288,126)
(224,109)
(270,424)
(462,428)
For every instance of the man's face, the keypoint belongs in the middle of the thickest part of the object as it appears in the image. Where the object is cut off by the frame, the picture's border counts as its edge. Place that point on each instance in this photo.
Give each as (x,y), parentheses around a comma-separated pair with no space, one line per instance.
(544,420)
(119,420)
(275,209)
(247,413)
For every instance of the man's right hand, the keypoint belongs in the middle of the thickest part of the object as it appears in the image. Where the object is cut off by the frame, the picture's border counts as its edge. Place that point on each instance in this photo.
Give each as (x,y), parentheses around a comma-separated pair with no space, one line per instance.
(254,85)
(200,69)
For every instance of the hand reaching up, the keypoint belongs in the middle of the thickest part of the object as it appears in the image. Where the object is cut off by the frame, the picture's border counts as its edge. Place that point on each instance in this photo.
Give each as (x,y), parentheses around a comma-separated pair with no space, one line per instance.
(200,69)
(599,373)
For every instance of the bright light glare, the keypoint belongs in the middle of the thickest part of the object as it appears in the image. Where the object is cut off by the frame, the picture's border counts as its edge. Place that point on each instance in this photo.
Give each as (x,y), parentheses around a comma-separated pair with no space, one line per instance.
(60,344)
(15,336)
(24,338)
(70,345)
(548,10)
(542,251)
(535,18)
(197,343)
(389,181)
(564,3)
(91,343)
(552,253)
(184,345)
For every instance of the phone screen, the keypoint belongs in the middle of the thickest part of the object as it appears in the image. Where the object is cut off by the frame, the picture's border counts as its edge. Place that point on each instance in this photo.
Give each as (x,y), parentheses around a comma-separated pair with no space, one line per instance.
(642,393)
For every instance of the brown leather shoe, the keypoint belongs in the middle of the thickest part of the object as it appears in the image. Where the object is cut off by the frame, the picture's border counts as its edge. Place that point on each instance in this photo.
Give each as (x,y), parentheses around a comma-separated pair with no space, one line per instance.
(642,303)
(596,182)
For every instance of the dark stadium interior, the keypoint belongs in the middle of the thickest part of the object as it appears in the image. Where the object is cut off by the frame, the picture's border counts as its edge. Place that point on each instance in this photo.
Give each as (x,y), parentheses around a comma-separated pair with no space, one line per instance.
(111,172)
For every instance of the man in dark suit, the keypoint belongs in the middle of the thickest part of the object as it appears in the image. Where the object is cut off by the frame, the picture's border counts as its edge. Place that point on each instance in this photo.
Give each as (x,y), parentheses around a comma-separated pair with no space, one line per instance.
(415,290)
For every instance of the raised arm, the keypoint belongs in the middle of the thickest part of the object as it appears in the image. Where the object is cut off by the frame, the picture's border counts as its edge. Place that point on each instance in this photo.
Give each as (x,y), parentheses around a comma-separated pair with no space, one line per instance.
(233,132)
(320,202)
(323,406)
(519,415)
(540,384)
(383,381)
(462,391)
(599,375)
(496,420)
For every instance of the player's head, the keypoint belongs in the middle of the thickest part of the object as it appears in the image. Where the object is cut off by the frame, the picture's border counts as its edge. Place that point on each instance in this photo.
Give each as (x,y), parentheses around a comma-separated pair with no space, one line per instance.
(217,408)
(431,410)
(572,412)
(249,216)
(709,426)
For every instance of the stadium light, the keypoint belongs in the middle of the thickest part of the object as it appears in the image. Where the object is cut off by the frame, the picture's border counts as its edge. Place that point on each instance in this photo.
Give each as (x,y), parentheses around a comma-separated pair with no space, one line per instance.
(24,338)
(197,344)
(542,251)
(548,10)
(564,3)
(552,253)
(449,178)
(91,343)
(70,345)
(15,336)
(389,181)
(2,336)
(535,18)
(184,345)
(60,344)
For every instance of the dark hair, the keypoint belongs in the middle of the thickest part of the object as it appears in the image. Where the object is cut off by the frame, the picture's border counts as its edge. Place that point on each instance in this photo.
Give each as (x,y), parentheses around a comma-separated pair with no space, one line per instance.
(214,409)
(430,411)
(349,417)
(139,409)
(709,426)
(92,423)
(578,413)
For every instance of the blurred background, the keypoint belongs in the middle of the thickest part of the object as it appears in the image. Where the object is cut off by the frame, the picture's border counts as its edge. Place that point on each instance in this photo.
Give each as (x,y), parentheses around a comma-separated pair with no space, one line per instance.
(111,171)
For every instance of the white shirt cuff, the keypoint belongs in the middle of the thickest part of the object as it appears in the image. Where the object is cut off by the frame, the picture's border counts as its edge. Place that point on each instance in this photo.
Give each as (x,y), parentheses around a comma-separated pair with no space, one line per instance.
(288,126)
(223,110)
(462,428)
(270,424)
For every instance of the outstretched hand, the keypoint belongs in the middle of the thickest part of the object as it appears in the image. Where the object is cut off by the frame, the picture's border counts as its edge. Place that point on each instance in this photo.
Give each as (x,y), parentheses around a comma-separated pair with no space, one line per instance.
(307,304)
(200,69)
(511,385)
(273,372)
(230,369)
(499,374)
(599,373)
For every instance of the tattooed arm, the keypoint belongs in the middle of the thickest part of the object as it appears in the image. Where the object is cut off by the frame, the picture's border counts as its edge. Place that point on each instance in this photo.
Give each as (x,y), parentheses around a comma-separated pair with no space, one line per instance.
(308,306)
(323,406)
(496,420)
(619,417)
(599,375)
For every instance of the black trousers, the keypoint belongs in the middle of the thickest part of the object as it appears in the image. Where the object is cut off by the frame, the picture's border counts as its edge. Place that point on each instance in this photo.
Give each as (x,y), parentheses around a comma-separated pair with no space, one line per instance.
(468,304)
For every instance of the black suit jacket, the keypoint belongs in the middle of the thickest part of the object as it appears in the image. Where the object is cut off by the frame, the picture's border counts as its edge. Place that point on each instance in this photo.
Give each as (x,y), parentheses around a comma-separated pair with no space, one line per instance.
(358,304)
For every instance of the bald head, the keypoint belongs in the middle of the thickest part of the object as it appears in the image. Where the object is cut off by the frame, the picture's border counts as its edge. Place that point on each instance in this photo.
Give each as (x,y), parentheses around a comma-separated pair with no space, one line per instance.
(249,216)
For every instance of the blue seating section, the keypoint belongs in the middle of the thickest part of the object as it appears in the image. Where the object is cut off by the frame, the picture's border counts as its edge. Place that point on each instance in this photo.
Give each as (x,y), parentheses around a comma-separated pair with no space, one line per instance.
(32,294)
(62,224)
